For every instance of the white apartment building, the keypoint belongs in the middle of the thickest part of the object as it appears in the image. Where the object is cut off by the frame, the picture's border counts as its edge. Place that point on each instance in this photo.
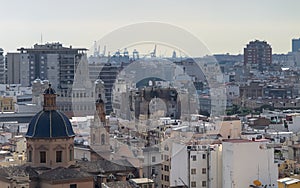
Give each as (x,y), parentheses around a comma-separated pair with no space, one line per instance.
(293,122)
(196,166)
(245,161)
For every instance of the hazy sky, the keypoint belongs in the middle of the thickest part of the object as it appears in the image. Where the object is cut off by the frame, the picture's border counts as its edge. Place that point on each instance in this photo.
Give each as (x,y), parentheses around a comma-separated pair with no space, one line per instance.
(223,26)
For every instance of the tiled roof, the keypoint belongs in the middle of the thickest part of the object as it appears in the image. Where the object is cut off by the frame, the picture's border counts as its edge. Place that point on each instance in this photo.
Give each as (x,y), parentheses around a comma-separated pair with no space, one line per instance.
(105,166)
(56,174)
(20,171)
(62,173)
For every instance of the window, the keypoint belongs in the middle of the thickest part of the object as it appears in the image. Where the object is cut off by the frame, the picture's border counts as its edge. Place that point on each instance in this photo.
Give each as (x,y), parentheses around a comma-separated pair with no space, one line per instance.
(71,155)
(42,157)
(203,170)
(93,138)
(194,157)
(167,168)
(153,170)
(167,157)
(130,176)
(203,183)
(193,171)
(166,147)
(102,139)
(58,156)
(203,156)
(29,156)
(153,159)
(73,185)
(193,184)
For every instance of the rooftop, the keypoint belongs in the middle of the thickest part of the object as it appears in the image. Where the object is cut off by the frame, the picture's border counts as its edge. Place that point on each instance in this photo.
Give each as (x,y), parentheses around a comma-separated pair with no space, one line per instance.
(105,166)
(244,140)
(61,173)
(117,184)
(289,181)
(141,180)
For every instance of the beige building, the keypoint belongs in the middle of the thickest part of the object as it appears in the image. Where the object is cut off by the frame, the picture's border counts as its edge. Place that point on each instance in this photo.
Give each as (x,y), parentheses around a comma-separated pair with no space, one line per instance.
(7,104)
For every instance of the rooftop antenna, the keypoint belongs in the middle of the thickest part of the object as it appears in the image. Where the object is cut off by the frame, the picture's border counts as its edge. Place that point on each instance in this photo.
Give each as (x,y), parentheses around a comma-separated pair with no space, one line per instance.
(98,50)
(95,48)
(153,54)
(41,38)
(104,50)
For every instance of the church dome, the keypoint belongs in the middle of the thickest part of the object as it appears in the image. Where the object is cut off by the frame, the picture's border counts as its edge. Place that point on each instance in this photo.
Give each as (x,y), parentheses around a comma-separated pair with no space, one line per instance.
(50,124)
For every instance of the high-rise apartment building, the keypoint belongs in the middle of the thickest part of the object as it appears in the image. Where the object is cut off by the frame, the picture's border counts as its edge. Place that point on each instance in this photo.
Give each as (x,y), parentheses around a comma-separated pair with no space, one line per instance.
(108,75)
(13,62)
(2,67)
(258,55)
(50,61)
(295,45)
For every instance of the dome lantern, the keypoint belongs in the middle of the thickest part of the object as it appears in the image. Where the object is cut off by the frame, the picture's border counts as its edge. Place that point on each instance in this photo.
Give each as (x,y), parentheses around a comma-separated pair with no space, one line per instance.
(49,99)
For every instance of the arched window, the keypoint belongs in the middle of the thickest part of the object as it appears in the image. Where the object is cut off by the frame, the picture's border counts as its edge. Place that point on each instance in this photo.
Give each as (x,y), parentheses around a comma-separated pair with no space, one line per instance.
(58,156)
(102,139)
(111,177)
(166,148)
(93,138)
(130,175)
(70,155)
(42,157)
(29,156)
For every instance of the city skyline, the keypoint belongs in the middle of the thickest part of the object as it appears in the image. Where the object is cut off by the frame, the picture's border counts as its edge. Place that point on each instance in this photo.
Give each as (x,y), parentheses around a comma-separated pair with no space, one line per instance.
(224,27)
(152,94)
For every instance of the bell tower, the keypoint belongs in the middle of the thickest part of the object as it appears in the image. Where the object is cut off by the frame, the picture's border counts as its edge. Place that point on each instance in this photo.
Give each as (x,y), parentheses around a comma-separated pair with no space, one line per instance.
(100,130)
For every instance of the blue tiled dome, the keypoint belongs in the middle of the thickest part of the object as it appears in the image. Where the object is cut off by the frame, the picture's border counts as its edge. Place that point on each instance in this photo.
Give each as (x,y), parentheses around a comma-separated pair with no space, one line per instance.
(50,124)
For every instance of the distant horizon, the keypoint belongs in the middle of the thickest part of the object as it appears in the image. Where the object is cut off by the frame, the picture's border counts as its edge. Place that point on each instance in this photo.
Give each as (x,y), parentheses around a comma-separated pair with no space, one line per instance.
(223,26)
(89,48)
